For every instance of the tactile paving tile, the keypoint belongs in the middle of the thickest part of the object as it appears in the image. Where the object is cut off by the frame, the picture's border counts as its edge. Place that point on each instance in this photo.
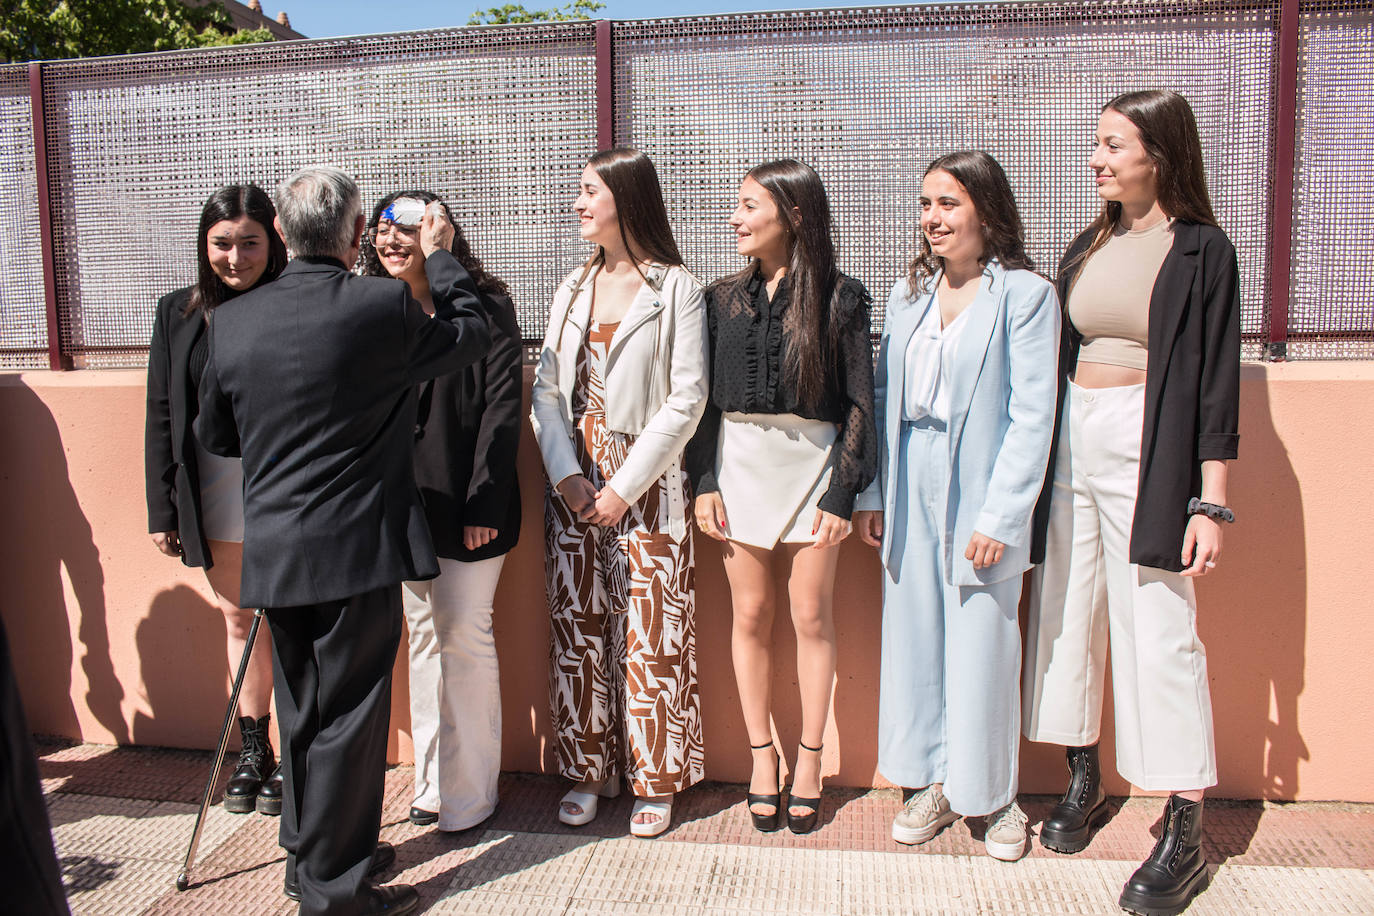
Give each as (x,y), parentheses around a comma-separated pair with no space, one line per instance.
(540,865)
(1260,889)
(1045,887)
(659,873)
(97,886)
(890,884)
(756,880)
(159,773)
(489,903)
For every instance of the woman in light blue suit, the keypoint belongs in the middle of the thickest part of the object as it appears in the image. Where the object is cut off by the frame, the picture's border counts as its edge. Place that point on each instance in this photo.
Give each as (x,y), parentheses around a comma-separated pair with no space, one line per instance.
(965,383)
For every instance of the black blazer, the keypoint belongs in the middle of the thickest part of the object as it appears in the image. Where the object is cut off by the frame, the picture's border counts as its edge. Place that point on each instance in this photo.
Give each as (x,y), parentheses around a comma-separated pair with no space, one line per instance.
(1192,387)
(169,455)
(467,436)
(312,379)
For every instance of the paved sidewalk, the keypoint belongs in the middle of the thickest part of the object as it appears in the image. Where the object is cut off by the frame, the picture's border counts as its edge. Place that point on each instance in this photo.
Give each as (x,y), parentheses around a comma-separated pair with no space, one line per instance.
(122,819)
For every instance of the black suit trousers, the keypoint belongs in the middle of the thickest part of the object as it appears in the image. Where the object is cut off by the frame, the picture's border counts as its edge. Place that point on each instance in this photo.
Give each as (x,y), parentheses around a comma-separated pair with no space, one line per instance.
(333,664)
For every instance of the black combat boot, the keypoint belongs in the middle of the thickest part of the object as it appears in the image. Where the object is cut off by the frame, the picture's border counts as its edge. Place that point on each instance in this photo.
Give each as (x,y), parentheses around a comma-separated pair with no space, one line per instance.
(269,796)
(1083,807)
(255,763)
(1176,871)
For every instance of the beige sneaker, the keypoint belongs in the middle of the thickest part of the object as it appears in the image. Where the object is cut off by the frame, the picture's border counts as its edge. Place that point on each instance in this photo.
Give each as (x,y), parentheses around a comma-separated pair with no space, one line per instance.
(925,814)
(1006,834)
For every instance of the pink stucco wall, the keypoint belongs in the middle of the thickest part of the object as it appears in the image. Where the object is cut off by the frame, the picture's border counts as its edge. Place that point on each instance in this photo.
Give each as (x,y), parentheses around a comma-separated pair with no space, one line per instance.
(115,643)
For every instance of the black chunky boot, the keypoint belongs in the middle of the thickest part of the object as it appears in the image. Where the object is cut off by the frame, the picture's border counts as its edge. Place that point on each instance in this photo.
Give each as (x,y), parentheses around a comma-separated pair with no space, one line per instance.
(1083,807)
(269,796)
(1176,871)
(255,763)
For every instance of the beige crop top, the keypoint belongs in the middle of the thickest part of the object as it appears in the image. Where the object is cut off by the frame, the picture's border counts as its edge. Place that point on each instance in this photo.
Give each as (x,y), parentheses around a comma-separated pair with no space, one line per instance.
(1110,300)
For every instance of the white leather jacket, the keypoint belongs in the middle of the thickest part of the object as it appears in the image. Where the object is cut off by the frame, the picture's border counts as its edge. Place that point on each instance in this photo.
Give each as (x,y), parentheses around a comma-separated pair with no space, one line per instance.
(656,385)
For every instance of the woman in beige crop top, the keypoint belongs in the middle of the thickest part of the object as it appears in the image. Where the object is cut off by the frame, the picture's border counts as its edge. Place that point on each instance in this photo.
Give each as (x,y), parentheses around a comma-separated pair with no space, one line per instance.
(1138,490)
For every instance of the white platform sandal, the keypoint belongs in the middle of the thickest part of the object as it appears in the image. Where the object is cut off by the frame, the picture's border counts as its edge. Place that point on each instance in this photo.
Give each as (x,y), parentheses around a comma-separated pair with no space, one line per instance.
(663,809)
(586,802)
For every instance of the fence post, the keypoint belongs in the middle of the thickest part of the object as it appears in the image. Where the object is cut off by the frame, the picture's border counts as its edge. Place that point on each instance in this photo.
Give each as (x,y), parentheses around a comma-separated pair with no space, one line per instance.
(57,360)
(605,87)
(1285,173)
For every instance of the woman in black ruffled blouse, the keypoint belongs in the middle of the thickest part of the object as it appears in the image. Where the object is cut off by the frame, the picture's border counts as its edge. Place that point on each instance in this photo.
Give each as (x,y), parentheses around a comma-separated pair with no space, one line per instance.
(787,442)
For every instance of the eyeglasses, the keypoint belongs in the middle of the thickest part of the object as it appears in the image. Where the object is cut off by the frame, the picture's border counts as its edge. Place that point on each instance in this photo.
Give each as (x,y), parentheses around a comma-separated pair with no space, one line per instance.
(387,229)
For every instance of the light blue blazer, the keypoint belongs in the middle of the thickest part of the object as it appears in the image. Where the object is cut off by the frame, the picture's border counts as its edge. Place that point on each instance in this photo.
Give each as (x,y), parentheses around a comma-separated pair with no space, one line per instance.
(1001,399)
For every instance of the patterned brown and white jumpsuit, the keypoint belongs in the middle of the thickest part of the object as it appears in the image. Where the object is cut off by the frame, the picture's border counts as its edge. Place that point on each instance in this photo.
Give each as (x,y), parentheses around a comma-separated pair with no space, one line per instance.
(623,689)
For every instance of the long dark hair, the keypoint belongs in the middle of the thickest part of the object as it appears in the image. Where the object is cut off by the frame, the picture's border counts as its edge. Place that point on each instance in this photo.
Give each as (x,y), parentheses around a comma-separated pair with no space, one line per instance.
(631,178)
(812,325)
(1168,131)
(1004,237)
(460,249)
(231,202)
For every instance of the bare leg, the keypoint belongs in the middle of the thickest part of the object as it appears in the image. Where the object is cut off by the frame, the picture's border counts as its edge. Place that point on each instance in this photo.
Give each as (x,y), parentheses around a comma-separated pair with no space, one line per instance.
(255,697)
(810,588)
(749,571)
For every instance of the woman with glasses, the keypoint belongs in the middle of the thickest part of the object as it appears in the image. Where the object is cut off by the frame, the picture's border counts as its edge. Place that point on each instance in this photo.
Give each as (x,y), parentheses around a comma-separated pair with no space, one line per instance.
(466,433)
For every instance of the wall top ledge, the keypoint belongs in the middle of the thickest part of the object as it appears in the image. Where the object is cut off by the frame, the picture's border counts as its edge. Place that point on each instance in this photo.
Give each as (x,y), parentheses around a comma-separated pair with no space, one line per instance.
(77,378)
(1309,370)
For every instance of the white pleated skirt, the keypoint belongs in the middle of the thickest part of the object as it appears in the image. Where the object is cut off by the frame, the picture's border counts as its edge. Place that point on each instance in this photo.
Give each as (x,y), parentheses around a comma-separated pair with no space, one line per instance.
(772,469)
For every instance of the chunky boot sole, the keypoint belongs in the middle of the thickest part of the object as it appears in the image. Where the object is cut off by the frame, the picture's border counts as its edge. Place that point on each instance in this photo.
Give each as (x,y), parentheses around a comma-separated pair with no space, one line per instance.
(1172,905)
(269,806)
(240,804)
(1068,842)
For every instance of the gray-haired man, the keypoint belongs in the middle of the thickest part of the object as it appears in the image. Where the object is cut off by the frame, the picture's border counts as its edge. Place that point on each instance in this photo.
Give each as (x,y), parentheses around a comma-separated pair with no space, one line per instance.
(311,380)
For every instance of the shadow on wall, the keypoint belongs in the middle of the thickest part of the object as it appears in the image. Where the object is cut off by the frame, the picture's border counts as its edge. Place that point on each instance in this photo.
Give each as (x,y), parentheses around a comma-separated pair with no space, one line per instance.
(1253,617)
(181,656)
(52,545)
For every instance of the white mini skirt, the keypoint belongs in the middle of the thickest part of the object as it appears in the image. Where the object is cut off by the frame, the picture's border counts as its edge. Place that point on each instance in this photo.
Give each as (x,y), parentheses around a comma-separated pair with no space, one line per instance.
(221,495)
(772,470)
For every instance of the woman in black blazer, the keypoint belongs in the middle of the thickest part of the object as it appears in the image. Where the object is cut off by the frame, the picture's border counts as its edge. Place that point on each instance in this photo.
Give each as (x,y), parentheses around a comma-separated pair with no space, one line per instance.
(1136,496)
(467,430)
(195,499)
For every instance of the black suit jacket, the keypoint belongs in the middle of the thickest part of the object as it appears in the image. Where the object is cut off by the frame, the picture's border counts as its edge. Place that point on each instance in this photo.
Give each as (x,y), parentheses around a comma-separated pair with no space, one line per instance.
(312,380)
(466,443)
(169,455)
(1192,386)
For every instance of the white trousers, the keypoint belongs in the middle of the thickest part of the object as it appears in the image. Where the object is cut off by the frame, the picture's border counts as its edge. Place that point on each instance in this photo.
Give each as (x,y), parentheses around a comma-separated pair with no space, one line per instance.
(455,691)
(1087,588)
(948,694)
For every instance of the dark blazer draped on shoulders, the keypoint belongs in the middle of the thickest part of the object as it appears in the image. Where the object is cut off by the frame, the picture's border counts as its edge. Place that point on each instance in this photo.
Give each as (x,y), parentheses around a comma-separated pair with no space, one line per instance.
(1192,386)
(169,456)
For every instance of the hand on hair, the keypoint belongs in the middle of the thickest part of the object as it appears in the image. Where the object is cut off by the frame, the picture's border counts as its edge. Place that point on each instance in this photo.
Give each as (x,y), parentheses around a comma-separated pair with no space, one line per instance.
(436,232)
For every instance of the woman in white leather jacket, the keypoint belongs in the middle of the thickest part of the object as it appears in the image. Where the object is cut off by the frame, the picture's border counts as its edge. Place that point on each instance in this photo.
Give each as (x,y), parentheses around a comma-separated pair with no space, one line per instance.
(618,392)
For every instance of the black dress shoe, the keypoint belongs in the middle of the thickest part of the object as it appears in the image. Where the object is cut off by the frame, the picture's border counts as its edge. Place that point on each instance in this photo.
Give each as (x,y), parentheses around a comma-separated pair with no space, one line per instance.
(1084,805)
(1176,871)
(393,900)
(269,795)
(382,858)
(422,818)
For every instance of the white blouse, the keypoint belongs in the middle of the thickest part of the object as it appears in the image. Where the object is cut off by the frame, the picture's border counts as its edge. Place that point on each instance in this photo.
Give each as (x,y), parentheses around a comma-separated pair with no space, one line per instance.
(929,358)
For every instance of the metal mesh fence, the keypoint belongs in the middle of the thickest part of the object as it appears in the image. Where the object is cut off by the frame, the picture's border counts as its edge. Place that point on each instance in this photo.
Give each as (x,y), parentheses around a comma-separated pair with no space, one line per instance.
(498,121)
(23,316)
(870,97)
(495,121)
(1331,307)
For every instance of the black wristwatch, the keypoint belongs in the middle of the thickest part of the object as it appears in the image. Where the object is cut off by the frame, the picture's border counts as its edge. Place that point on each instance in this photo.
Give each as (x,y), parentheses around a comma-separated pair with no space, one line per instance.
(1211,510)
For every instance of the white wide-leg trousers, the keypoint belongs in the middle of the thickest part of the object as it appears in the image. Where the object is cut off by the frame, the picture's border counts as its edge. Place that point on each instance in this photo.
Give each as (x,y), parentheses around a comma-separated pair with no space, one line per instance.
(1088,590)
(455,691)
(949,696)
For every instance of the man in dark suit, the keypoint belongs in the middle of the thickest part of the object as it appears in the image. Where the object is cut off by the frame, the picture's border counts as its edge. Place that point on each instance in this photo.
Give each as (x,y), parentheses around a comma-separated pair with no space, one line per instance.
(311,379)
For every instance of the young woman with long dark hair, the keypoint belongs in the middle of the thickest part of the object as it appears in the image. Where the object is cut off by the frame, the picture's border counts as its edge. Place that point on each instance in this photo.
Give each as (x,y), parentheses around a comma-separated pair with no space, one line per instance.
(1149,399)
(619,389)
(195,498)
(466,436)
(786,444)
(965,389)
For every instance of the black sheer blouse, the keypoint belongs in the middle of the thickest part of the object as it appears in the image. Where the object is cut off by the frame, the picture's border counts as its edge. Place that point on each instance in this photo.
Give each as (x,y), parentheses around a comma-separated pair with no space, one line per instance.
(747,376)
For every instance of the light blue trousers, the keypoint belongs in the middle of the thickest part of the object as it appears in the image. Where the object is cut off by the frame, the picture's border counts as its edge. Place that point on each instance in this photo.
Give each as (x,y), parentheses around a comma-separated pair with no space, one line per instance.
(949,709)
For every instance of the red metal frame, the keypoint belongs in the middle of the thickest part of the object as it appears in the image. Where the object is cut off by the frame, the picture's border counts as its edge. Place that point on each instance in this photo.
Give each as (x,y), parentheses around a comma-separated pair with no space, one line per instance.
(57,360)
(1285,167)
(605,86)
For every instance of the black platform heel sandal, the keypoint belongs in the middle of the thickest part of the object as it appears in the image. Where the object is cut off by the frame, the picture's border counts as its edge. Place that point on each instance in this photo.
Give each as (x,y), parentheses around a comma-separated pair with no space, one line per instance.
(767,823)
(804,823)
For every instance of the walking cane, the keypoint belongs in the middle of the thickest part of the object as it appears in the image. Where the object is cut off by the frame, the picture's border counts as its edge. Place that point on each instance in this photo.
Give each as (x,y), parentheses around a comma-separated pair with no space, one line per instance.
(183,881)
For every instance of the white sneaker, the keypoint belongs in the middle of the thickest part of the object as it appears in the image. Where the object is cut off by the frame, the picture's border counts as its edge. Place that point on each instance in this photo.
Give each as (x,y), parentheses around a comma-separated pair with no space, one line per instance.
(1006,834)
(925,814)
